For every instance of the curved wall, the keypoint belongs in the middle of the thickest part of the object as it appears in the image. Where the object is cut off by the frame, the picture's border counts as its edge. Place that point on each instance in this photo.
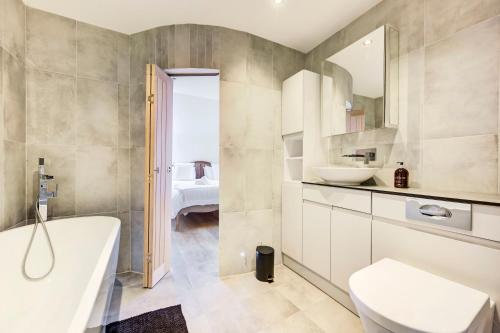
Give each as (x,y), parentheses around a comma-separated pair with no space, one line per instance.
(252,70)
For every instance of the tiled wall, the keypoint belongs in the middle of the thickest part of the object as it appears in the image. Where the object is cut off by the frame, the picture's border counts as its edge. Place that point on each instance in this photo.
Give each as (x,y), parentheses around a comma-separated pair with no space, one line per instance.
(449,92)
(77,106)
(12,114)
(252,70)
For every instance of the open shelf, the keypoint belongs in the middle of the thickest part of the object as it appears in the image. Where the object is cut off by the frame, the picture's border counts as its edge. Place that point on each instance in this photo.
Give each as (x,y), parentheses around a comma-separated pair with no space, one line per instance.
(293,155)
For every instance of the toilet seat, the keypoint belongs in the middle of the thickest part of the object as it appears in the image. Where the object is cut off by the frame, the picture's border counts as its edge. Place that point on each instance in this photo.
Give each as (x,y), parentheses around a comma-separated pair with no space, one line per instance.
(405,299)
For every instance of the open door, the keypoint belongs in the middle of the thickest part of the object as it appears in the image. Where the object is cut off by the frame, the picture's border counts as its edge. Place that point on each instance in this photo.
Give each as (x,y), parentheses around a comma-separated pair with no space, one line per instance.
(158,175)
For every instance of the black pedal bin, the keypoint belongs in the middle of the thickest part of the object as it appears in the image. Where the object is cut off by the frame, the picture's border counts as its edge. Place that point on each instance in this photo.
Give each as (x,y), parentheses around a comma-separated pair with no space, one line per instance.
(264,262)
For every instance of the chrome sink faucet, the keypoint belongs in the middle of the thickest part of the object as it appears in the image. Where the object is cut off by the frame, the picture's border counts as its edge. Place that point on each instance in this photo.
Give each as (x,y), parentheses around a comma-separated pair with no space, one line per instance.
(43,189)
(366,154)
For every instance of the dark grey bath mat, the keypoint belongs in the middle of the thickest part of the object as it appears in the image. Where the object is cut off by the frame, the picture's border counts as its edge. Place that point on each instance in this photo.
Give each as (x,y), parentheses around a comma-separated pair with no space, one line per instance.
(167,320)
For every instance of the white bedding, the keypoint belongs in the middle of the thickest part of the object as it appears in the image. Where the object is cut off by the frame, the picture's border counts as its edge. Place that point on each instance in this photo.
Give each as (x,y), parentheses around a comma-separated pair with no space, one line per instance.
(186,193)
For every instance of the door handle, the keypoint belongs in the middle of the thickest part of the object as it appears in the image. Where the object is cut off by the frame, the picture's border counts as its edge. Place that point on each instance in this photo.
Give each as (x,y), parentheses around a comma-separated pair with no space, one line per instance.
(157,170)
(435,211)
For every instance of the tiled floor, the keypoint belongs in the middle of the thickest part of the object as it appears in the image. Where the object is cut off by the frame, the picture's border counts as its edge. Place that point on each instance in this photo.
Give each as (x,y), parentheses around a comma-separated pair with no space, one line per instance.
(231,304)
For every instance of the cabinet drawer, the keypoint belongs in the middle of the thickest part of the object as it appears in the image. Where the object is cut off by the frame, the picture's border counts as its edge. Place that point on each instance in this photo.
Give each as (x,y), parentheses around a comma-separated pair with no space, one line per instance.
(339,197)
(485,219)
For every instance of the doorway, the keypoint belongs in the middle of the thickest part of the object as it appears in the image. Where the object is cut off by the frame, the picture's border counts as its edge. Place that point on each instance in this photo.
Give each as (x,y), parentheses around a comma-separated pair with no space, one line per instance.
(181,228)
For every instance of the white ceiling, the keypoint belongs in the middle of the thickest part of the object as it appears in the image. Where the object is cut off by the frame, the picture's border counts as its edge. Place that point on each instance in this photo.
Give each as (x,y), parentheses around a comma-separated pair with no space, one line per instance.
(199,86)
(300,24)
(365,63)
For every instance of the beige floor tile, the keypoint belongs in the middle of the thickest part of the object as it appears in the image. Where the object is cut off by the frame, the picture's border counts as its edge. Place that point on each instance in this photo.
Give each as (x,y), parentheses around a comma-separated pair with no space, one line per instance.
(297,323)
(301,293)
(233,304)
(333,317)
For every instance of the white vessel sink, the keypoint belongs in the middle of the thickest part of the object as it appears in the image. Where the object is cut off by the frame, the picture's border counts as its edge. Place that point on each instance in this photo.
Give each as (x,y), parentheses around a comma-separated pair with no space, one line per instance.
(342,175)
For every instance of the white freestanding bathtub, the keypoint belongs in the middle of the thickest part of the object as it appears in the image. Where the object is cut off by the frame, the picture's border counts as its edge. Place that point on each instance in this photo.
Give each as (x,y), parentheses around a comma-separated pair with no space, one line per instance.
(76,294)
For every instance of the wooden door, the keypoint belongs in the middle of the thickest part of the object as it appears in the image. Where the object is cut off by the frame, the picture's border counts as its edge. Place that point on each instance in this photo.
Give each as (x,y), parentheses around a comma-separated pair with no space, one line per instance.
(158,175)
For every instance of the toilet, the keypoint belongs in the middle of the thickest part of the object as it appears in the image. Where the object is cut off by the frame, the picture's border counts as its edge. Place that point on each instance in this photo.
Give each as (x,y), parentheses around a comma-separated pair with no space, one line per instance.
(394,297)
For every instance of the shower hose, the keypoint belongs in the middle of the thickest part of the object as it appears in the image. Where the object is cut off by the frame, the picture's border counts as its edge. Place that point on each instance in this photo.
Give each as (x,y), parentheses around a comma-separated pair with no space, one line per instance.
(38,219)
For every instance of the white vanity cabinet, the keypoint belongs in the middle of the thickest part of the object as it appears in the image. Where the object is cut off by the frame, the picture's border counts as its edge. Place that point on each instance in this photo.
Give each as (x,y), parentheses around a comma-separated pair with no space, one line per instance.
(291,227)
(350,244)
(316,238)
(336,232)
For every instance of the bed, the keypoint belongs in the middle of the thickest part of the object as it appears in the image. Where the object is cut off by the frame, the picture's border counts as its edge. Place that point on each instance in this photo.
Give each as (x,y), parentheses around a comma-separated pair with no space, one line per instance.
(200,195)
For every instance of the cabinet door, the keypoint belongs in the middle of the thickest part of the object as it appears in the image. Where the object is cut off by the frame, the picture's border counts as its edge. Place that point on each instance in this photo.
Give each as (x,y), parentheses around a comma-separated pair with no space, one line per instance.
(316,238)
(291,220)
(351,244)
(293,104)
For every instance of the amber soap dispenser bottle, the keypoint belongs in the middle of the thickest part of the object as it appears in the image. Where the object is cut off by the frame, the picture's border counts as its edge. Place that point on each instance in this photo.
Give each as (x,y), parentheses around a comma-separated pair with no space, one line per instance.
(401,176)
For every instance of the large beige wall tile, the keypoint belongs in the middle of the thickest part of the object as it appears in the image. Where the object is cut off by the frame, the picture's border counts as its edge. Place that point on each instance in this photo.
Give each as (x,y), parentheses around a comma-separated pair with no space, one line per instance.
(97,52)
(259,118)
(233,114)
(123,116)
(14,98)
(234,46)
(232,180)
(260,62)
(15,183)
(123,62)
(125,252)
(137,239)
(461,164)
(137,178)
(50,107)
(182,46)
(12,27)
(461,83)
(258,179)
(203,46)
(286,62)
(51,42)
(123,180)
(165,47)
(96,170)
(142,52)
(97,113)
(445,17)
(241,233)
(137,114)
(60,162)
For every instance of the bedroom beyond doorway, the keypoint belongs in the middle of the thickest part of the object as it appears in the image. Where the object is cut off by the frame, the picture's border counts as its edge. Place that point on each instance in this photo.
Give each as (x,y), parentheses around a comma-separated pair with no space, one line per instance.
(195,177)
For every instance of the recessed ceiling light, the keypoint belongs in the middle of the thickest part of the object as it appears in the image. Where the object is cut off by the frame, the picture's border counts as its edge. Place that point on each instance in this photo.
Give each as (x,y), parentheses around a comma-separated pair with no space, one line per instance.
(278,2)
(367,42)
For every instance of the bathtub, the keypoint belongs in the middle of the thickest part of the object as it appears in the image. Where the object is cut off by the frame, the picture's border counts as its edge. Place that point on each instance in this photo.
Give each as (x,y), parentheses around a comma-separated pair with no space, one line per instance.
(76,295)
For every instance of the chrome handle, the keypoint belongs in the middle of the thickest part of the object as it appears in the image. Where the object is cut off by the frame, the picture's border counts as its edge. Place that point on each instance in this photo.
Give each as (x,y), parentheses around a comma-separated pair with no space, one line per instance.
(435,211)
(157,170)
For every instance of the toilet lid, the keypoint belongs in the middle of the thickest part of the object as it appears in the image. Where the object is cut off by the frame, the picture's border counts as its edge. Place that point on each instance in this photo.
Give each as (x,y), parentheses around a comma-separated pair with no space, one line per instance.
(402,298)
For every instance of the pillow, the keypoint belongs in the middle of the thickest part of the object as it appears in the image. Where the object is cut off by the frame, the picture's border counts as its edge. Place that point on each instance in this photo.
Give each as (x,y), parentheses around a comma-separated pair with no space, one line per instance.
(212,172)
(207,171)
(184,171)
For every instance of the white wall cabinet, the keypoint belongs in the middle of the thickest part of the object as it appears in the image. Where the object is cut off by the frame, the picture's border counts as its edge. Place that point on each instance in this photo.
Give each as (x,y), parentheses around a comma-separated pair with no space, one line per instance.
(292,119)
(350,244)
(304,147)
(316,238)
(291,227)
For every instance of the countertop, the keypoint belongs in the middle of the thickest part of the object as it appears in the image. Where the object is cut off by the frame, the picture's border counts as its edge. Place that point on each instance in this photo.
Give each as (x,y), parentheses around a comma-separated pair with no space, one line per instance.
(464,197)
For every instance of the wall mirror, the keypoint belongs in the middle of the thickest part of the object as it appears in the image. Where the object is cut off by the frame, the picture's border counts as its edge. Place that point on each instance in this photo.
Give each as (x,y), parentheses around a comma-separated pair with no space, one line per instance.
(359,85)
